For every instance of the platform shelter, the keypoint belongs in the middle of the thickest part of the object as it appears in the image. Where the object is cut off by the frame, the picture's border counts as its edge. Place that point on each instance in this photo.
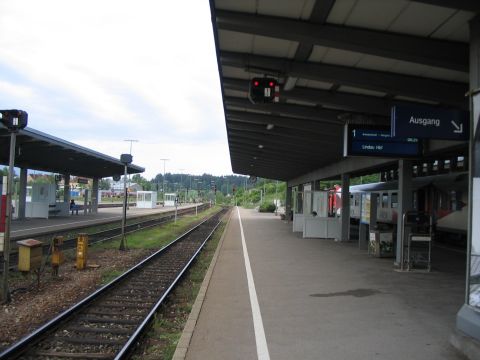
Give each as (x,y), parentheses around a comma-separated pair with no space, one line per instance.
(333,65)
(40,151)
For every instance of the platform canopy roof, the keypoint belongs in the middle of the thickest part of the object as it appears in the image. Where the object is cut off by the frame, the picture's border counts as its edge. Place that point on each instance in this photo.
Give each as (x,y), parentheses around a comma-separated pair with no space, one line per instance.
(39,151)
(336,61)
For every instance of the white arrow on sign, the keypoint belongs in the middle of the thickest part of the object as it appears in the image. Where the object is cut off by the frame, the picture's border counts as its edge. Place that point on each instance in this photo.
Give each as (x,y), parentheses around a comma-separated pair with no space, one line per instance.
(458,129)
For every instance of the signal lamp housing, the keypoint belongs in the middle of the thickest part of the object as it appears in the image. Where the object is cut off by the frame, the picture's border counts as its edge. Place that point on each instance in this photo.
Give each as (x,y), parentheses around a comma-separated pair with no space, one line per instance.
(263,90)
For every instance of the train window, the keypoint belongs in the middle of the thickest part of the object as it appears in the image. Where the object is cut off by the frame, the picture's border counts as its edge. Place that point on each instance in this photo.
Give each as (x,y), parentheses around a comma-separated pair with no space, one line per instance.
(355,201)
(460,161)
(384,200)
(435,165)
(446,164)
(415,170)
(425,168)
(394,200)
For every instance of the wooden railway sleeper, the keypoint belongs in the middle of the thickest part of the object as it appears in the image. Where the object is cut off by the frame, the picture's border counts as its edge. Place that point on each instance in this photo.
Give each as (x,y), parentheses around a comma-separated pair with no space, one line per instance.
(84,329)
(54,354)
(93,319)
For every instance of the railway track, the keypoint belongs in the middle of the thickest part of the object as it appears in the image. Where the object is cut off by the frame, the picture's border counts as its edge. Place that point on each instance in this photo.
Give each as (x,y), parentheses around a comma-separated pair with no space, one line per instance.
(107,234)
(108,323)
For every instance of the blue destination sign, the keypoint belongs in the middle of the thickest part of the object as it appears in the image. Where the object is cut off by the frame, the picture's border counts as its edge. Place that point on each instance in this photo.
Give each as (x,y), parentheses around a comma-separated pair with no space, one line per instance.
(429,123)
(363,140)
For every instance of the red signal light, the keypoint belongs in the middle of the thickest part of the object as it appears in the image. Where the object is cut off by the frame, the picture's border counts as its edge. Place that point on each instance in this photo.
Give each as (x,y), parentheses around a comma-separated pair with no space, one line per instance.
(271,84)
(256,83)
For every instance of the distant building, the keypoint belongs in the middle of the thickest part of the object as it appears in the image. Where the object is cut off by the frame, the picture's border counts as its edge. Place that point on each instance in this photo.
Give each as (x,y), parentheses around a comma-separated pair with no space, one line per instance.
(117,187)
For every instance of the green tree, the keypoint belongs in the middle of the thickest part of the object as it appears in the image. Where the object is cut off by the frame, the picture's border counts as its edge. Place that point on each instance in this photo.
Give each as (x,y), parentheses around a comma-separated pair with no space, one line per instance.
(104,184)
(144,183)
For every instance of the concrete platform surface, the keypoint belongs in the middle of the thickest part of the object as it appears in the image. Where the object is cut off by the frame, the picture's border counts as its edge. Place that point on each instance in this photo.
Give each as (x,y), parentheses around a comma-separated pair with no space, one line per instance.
(37,226)
(321,299)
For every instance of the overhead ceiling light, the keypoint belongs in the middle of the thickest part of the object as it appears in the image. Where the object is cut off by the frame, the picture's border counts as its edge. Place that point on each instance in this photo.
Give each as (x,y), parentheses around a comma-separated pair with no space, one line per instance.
(260,146)
(254,158)
(270,126)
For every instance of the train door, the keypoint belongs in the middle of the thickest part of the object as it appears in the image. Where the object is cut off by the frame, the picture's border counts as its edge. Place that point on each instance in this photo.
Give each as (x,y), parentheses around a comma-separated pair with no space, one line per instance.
(383,208)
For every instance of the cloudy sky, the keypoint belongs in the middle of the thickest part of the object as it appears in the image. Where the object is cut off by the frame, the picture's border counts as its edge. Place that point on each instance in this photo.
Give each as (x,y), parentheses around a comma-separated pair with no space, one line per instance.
(98,72)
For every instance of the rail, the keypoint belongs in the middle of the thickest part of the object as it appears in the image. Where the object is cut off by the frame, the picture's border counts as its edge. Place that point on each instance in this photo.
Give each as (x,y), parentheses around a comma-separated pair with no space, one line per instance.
(129,293)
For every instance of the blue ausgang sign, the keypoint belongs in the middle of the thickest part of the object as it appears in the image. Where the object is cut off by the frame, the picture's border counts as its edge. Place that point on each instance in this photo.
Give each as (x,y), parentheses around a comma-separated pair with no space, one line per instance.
(364,140)
(429,123)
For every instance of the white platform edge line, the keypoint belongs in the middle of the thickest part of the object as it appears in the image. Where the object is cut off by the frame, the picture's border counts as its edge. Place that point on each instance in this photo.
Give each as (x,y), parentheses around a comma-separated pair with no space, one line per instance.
(260,339)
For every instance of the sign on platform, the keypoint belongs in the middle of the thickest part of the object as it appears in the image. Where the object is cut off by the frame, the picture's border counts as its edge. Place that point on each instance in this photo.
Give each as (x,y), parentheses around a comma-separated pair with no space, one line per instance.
(429,122)
(369,140)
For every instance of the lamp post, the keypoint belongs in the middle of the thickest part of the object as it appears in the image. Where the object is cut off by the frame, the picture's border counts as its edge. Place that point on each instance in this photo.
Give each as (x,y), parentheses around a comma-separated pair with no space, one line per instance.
(14,120)
(131,141)
(163,186)
(125,159)
(180,188)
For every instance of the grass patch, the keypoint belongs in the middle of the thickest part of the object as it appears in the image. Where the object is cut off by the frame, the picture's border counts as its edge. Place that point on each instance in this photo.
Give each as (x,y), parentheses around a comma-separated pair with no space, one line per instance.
(158,236)
(71,234)
(162,339)
(109,275)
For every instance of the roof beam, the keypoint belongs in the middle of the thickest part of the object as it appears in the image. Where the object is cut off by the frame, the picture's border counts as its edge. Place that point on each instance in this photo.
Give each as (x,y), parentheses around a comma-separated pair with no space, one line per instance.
(467,5)
(276,150)
(270,153)
(285,133)
(320,115)
(282,121)
(307,148)
(349,102)
(275,158)
(432,52)
(445,92)
(276,167)
(264,170)
(319,15)
(269,159)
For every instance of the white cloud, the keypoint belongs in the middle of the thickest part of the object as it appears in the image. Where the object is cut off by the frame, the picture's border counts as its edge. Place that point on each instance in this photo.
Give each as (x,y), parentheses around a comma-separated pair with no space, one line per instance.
(191,157)
(115,69)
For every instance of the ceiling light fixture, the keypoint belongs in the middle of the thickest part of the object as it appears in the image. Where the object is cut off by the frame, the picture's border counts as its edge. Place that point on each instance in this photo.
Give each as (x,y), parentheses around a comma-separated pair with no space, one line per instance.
(270,126)
(260,146)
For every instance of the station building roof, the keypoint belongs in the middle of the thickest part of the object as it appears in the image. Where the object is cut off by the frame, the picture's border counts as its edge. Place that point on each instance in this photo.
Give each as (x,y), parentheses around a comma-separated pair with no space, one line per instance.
(39,151)
(336,61)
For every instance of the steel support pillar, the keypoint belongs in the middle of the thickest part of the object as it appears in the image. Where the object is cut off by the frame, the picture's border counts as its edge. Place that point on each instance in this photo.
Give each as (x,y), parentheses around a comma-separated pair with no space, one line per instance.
(345,207)
(66,188)
(94,208)
(288,203)
(468,318)
(22,194)
(405,203)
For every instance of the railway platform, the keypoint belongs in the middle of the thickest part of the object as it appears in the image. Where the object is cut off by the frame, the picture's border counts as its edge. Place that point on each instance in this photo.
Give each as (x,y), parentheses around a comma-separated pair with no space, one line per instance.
(320,299)
(37,226)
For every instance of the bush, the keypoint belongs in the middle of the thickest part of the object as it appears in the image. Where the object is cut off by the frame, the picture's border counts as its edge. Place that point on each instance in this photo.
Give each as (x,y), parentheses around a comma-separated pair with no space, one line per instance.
(267,207)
